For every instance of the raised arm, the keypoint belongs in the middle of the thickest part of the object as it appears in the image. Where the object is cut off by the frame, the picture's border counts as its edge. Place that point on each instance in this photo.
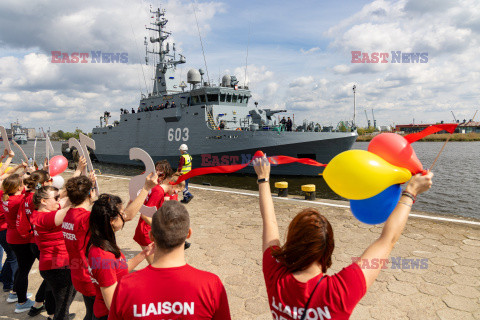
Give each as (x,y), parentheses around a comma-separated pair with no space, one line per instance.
(60,215)
(136,204)
(82,164)
(270,236)
(9,155)
(19,166)
(379,251)
(135,261)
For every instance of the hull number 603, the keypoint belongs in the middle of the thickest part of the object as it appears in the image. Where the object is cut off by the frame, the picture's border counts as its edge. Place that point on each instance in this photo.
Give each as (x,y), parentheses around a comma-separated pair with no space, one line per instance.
(178,134)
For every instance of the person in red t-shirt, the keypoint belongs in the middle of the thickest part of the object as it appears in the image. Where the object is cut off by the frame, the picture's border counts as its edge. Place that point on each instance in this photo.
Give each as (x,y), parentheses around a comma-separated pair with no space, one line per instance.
(176,191)
(47,220)
(34,181)
(155,198)
(294,272)
(170,288)
(107,264)
(10,265)
(11,199)
(158,196)
(75,232)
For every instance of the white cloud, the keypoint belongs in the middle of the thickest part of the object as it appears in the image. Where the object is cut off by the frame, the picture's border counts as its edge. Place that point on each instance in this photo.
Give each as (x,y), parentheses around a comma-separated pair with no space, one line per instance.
(309,51)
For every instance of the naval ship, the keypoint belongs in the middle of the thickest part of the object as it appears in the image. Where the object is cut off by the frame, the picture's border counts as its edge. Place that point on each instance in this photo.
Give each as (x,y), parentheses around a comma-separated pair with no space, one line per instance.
(218,123)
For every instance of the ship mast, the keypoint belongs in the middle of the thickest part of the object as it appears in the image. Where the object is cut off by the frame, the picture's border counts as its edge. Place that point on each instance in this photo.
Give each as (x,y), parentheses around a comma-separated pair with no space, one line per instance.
(164,82)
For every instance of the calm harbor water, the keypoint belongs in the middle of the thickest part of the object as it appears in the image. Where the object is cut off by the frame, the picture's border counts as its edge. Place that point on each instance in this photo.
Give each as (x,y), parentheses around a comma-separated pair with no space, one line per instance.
(455,190)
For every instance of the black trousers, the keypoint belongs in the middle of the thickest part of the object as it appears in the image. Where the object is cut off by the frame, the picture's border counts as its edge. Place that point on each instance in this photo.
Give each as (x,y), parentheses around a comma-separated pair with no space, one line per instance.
(89,301)
(44,293)
(25,259)
(63,291)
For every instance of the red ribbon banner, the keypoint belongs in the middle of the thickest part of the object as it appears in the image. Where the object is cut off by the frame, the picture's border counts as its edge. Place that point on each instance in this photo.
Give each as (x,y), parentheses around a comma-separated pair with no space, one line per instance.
(413,137)
(275,160)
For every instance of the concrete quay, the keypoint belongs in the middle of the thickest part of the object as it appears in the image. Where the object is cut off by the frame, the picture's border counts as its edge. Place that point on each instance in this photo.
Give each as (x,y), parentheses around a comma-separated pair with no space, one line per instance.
(226,240)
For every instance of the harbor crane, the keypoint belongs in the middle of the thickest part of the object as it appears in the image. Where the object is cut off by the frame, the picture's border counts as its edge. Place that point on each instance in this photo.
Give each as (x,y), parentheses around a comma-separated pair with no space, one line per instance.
(368,121)
(374,121)
(454,117)
(473,118)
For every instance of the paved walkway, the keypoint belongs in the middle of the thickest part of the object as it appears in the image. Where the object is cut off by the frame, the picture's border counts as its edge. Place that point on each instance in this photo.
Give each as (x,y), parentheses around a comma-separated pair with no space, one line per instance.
(226,240)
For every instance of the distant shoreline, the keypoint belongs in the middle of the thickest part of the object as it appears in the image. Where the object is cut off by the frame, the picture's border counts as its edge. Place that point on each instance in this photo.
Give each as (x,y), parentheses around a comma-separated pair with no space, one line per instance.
(461,137)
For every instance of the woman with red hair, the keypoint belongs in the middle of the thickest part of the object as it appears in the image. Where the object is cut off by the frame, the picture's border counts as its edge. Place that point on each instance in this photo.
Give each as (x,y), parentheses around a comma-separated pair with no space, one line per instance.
(294,273)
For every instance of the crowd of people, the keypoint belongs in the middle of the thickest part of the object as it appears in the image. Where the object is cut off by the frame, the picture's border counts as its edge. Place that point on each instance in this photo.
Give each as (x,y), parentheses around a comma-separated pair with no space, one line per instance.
(71,232)
(161,106)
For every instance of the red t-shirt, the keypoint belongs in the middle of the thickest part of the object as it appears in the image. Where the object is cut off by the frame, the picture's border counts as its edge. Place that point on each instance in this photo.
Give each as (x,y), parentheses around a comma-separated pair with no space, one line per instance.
(155,198)
(10,209)
(75,232)
(171,197)
(49,238)
(170,293)
(3,222)
(24,226)
(335,297)
(105,270)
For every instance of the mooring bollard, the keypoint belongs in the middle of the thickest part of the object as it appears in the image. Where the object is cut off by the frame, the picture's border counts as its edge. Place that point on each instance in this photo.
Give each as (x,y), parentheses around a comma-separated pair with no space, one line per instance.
(309,190)
(282,187)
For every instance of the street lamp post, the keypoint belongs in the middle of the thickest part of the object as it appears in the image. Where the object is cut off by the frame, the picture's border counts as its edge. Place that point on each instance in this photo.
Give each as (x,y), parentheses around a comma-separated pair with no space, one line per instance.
(354,91)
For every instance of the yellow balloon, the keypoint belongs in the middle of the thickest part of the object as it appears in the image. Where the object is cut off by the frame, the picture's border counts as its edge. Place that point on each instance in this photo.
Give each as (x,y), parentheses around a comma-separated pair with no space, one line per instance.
(359,174)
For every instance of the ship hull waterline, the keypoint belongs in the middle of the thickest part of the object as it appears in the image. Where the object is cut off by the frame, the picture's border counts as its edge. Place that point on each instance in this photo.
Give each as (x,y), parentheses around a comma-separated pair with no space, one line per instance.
(323,151)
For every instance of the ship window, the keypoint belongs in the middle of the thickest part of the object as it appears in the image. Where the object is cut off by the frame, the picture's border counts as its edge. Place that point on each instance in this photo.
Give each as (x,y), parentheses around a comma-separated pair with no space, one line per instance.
(246,100)
(202,98)
(212,97)
(195,100)
(234,98)
(240,98)
(222,97)
(229,98)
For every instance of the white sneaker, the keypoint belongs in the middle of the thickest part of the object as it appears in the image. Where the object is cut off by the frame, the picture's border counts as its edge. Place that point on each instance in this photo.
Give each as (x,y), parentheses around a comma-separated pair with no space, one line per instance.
(19,308)
(12,297)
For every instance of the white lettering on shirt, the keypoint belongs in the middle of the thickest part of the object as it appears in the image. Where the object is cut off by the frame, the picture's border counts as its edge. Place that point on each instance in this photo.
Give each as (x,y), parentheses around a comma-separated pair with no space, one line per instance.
(296,312)
(185,308)
(69,236)
(67,225)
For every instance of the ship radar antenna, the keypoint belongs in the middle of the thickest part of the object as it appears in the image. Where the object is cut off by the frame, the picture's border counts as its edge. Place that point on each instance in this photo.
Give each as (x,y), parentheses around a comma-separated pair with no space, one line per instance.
(201,42)
(164,62)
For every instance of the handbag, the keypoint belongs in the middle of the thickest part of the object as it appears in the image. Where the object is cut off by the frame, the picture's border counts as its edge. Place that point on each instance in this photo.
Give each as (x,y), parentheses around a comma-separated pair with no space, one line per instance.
(310,298)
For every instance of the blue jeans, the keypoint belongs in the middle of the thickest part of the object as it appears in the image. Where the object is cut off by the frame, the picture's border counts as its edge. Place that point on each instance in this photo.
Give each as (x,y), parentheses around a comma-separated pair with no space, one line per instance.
(11,265)
(186,193)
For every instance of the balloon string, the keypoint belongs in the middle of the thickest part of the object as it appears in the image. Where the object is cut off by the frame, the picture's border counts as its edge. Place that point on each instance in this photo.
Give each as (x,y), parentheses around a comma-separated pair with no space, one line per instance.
(438,155)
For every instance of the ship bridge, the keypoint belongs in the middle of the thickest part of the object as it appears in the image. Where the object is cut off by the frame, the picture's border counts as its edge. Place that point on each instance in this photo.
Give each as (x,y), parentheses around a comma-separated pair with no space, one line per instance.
(220,95)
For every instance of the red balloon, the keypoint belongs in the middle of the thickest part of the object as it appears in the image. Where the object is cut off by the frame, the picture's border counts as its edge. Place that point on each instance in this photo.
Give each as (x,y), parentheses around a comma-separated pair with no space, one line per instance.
(58,164)
(258,154)
(396,150)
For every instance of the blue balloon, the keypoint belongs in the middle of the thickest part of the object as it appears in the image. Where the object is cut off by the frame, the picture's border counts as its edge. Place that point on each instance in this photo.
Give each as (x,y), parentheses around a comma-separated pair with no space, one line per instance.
(378,208)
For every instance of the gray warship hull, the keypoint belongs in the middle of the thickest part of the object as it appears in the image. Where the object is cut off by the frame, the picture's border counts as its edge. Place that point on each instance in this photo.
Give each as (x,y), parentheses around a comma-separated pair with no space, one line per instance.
(161,132)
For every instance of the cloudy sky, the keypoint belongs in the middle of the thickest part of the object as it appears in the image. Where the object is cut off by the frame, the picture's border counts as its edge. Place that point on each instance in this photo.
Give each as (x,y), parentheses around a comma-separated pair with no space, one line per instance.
(299,57)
